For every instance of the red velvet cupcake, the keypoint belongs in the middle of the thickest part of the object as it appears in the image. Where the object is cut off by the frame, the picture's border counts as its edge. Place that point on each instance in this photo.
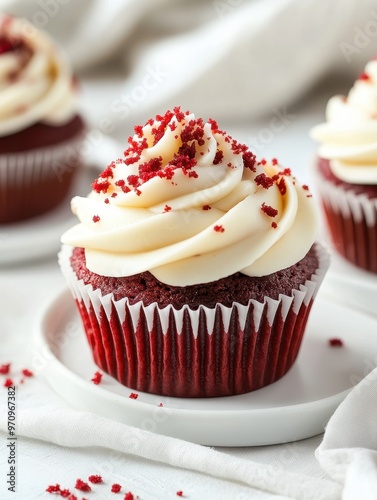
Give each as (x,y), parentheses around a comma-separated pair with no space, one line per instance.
(346,170)
(194,266)
(40,130)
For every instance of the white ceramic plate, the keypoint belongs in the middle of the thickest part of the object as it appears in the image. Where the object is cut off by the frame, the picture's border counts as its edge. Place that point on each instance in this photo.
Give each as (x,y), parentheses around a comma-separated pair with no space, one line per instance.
(39,237)
(295,407)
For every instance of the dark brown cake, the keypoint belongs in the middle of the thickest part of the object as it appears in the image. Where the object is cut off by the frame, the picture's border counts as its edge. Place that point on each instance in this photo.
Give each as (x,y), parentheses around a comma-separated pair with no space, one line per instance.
(238,287)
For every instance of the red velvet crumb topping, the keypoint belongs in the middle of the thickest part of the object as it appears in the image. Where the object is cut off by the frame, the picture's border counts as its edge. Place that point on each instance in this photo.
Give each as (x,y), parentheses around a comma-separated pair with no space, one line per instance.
(219,229)
(27,372)
(96,218)
(274,225)
(207,207)
(364,76)
(180,493)
(133,395)
(268,210)
(264,181)
(8,382)
(128,496)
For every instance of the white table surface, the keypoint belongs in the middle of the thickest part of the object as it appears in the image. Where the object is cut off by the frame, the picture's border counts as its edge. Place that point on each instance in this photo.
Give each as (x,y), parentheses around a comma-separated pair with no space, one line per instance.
(26,286)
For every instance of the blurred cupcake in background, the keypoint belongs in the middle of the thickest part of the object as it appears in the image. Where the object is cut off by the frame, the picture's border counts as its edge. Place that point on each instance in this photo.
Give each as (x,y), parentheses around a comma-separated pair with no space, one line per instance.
(346,170)
(40,129)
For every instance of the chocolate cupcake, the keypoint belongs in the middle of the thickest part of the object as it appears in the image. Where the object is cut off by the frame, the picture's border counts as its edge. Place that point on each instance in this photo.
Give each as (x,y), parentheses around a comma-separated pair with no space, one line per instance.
(194,266)
(40,130)
(346,170)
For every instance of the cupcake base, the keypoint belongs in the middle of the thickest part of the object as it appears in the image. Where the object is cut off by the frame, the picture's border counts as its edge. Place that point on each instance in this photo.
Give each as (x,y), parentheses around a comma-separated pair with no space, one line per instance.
(351,216)
(35,177)
(202,352)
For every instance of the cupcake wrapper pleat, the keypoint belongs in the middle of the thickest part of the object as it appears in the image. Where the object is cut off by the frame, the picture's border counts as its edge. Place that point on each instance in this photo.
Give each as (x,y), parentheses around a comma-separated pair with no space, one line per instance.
(352,223)
(200,352)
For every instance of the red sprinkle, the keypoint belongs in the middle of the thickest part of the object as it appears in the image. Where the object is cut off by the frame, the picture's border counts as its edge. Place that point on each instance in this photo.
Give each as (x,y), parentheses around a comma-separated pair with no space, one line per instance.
(270,211)
(97,378)
(116,488)
(96,218)
(274,161)
(167,208)
(219,229)
(335,342)
(82,485)
(128,496)
(8,382)
(207,207)
(133,395)
(180,493)
(27,372)
(53,488)
(5,368)
(364,76)
(305,187)
(274,225)
(264,181)
(95,479)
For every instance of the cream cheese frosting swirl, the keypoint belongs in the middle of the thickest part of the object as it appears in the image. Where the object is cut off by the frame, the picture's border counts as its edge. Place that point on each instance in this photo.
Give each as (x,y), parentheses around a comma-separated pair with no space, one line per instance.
(35,79)
(191,205)
(349,137)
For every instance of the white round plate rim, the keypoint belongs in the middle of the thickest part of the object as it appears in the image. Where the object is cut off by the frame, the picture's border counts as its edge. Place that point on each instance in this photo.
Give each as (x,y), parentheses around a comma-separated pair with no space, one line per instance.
(59,373)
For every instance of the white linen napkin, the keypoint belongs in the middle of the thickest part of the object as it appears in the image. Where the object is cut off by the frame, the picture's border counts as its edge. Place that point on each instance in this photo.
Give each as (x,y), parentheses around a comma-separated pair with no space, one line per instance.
(220,58)
(43,416)
(348,451)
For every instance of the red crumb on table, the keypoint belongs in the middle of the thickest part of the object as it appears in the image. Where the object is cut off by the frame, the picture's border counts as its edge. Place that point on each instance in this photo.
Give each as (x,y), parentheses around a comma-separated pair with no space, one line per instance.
(96,218)
(53,488)
(82,485)
(95,479)
(97,378)
(335,342)
(66,493)
(274,161)
(180,493)
(115,488)
(219,229)
(364,76)
(8,382)
(5,369)
(72,497)
(268,210)
(133,395)
(128,496)
(27,372)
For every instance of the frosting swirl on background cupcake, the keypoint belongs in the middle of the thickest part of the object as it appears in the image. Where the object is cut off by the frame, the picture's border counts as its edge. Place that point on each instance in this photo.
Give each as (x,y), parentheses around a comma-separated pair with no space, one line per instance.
(191,205)
(349,138)
(35,79)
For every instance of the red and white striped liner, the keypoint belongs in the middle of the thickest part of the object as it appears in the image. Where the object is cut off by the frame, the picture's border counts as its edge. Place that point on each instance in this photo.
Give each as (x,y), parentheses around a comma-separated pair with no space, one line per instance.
(207,352)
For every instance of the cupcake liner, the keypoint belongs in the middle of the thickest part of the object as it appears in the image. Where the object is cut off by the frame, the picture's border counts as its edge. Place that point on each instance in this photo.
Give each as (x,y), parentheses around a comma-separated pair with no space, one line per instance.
(204,352)
(34,181)
(352,223)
